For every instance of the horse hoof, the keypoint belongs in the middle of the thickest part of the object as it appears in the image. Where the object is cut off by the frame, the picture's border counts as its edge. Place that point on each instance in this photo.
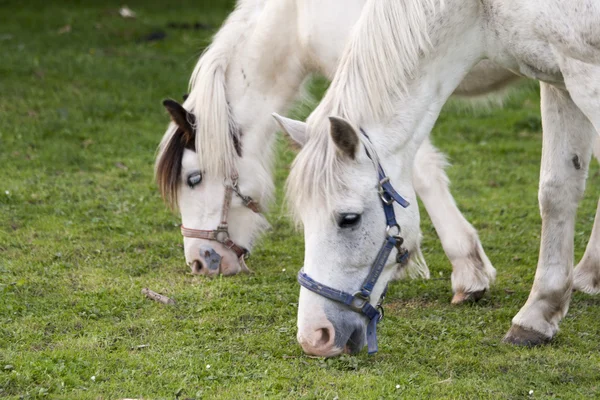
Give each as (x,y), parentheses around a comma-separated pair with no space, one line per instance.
(524,337)
(460,297)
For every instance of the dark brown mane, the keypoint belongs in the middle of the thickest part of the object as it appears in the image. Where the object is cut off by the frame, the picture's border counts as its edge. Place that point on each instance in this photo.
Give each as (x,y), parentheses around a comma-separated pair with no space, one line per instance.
(168,166)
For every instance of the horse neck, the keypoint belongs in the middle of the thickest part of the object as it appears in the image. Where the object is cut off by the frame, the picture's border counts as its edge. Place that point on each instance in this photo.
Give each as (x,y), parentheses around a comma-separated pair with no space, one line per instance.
(457,44)
(264,75)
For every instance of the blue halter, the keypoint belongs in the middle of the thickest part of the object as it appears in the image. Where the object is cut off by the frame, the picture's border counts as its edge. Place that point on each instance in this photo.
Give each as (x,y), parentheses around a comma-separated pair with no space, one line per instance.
(360,300)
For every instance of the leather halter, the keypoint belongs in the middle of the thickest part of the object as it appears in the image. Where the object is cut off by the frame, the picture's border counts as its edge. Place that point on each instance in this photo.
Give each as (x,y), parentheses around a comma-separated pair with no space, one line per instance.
(359,301)
(221,234)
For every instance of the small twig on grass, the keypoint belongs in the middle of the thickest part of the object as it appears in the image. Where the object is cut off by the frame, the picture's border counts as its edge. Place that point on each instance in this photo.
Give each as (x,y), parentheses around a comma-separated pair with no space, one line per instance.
(157,297)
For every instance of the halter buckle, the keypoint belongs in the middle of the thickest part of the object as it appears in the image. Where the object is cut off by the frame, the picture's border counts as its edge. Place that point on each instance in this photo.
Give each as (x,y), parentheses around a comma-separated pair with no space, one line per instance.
(358,301)
(383,195)
(388,231)
(221,234)
(385,198)
(235,184)
(381,312)
(402,256)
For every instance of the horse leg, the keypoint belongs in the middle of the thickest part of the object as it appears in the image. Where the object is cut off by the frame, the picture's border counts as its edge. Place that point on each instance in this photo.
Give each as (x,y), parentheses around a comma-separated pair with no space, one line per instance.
(472,272)
(566,153)
(586,95)
(587,273)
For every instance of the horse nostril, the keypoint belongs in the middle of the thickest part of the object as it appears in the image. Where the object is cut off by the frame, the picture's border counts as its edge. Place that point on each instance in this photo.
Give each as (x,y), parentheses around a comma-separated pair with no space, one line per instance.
(319,341)
(322,337)
(196,267)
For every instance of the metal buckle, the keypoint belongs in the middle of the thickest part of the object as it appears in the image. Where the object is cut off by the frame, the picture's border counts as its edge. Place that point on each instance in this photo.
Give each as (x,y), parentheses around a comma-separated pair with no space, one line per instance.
(401,255)
(246,200)
(383,195)
(221,234)
(381,312)
(390,227)
(358,301)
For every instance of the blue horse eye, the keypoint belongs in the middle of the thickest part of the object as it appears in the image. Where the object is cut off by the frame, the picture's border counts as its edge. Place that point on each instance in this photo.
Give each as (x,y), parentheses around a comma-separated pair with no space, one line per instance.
(194,179)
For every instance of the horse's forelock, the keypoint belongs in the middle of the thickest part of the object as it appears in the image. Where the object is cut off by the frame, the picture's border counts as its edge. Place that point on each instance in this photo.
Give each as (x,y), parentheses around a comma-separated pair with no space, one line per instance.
(314,180)
(168,166)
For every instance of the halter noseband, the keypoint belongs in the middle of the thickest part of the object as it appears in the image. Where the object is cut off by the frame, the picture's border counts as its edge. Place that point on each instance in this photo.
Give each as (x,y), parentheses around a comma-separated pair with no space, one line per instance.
(221,234)
(360,300)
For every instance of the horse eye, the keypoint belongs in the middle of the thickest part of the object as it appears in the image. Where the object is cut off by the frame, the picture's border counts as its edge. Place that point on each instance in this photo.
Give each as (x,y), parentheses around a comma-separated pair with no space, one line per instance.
(194,179)
(348,220)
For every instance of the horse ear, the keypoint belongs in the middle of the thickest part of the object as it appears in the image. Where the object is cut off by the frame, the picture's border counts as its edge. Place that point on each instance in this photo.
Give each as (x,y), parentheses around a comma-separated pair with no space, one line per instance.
(296,129)
(181,117)
(344,136)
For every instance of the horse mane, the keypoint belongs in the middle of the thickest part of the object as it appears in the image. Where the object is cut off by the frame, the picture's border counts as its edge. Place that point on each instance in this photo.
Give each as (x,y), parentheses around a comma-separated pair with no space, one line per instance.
(378,62)
(217,135)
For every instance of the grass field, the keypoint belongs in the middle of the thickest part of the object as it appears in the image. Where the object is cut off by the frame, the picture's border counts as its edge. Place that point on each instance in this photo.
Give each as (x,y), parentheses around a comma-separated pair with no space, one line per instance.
(82,230)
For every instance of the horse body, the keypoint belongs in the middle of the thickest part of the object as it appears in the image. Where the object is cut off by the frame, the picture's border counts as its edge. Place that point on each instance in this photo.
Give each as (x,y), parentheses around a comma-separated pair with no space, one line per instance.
(403,61)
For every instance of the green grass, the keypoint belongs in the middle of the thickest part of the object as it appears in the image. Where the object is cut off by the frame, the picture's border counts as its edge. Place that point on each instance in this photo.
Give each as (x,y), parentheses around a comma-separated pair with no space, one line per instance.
(82,230)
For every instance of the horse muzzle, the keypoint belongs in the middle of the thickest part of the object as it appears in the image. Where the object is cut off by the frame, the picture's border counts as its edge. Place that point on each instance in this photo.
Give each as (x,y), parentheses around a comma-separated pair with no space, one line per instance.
(341,331)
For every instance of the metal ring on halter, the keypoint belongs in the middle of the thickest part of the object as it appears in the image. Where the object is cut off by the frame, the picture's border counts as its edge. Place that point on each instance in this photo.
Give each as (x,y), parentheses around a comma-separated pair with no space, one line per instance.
(362,300)
(221,234)
(385,197)
(381,312)
(390,227)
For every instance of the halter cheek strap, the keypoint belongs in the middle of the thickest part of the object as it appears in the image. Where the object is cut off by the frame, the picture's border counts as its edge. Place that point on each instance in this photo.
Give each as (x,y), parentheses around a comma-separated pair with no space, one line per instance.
(360,300)
(221,234)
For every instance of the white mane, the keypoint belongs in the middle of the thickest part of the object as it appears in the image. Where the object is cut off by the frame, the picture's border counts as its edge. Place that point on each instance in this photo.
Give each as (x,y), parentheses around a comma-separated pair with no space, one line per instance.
(378,62)
(216,130)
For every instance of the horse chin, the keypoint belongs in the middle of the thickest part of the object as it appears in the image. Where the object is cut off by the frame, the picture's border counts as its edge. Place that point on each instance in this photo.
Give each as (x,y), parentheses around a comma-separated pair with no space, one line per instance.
(238,265)
(350,332)
(231,264)
(356,342)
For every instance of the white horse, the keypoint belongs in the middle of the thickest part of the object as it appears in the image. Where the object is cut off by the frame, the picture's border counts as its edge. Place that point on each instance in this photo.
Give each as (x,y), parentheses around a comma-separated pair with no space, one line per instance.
(258,63)
(403,60)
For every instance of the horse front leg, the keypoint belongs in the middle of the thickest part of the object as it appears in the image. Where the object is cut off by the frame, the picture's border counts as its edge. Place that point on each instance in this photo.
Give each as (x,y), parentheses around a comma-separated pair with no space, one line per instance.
(566,153)
(472,271)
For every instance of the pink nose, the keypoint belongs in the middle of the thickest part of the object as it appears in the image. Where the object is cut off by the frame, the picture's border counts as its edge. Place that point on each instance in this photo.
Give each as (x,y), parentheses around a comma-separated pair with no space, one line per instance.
(319,342)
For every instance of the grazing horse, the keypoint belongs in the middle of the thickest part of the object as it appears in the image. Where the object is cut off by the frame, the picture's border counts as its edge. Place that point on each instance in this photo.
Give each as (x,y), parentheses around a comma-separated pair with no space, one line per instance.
(215,158)
(351,183)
